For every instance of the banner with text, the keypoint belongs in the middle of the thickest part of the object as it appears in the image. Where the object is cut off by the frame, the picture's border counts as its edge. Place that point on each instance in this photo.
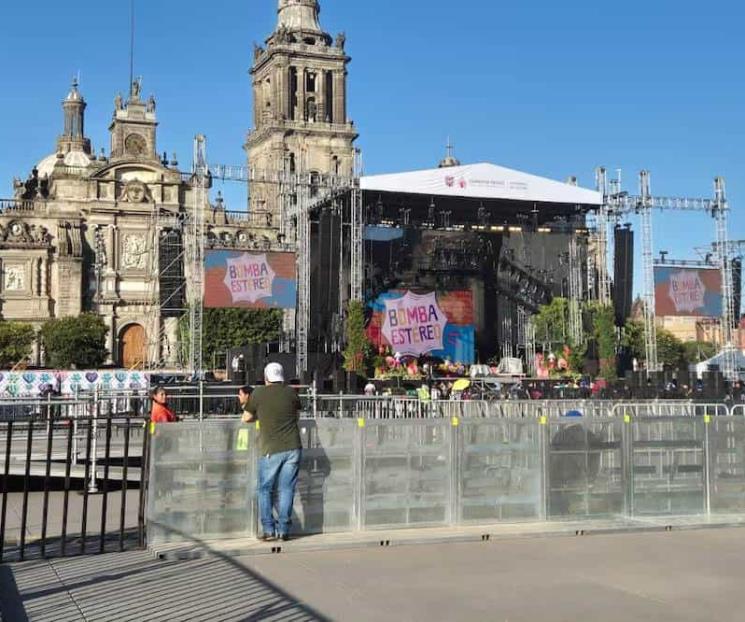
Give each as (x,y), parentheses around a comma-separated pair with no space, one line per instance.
(250,280)
(437,323)
(681,291)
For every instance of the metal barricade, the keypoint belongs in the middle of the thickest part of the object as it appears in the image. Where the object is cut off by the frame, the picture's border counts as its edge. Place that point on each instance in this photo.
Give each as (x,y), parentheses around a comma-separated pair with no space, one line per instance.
(669,409)
(369,474)
(584,467)
(406,473)
(326,499)
(203,482)
(726,464)
(667,465)
(499,472)
(77,476)
(738,410)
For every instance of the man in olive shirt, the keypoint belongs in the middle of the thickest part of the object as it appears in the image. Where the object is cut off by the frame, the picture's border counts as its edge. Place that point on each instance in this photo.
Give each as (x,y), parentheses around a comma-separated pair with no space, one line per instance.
(276,406)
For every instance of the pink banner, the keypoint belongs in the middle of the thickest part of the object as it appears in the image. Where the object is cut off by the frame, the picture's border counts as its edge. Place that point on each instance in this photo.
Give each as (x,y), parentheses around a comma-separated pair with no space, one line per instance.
(414,324)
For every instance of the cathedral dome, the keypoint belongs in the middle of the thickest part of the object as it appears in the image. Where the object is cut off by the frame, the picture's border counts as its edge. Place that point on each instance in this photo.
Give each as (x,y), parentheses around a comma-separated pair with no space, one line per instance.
(76,159)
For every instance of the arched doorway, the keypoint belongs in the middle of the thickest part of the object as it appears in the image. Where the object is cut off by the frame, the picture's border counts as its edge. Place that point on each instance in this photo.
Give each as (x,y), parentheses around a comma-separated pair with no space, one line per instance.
(133,347)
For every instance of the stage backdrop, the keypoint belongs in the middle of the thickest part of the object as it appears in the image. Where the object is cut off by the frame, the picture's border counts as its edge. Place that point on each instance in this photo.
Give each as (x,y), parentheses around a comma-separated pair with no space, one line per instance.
(436,323)
(250,280)
(688,291)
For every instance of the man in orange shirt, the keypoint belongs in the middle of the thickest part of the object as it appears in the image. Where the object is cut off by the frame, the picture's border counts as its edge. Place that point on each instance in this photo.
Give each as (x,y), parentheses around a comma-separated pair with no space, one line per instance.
(160,412)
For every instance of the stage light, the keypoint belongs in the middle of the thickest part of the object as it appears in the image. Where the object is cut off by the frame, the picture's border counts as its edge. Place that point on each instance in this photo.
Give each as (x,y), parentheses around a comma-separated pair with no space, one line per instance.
(544,230)
(497,228)
(516,229)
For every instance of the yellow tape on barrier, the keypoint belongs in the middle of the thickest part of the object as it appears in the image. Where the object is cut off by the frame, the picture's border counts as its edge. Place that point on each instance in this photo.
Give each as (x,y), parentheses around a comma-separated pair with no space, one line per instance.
(360,423)
(258,426)
(627,418)
(707,419)
(543,420)
(455,422)
(242,442)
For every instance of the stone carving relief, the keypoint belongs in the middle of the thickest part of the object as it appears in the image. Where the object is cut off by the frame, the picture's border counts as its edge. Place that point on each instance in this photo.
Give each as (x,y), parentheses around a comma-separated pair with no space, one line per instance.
(19,234)
(15,278)
(134,252)
(134,192)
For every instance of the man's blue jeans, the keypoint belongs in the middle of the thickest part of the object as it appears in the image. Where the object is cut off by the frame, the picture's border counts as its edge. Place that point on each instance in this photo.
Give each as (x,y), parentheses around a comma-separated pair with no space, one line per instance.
(278,471)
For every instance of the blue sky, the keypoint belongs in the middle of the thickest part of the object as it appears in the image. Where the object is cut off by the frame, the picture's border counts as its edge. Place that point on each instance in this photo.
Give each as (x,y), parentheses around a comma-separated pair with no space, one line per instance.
(552,88)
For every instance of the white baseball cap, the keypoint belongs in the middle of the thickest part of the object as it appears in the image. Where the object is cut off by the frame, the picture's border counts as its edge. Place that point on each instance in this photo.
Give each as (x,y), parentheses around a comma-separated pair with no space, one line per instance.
(274,372)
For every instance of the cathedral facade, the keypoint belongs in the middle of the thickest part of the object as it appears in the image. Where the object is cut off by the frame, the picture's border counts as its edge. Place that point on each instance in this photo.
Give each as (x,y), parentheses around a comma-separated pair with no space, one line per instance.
(109,233)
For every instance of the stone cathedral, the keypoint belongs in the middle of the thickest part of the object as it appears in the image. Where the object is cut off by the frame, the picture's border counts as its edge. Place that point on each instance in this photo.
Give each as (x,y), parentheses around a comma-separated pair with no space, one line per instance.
(104,233)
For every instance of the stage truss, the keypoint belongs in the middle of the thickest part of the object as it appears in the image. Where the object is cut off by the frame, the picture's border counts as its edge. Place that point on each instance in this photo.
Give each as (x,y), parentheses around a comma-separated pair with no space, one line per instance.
(299,194)
(618,203)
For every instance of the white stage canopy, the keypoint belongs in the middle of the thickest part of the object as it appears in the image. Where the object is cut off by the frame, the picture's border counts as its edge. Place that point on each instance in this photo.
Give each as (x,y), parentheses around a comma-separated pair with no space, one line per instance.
(718,361)
(482,181)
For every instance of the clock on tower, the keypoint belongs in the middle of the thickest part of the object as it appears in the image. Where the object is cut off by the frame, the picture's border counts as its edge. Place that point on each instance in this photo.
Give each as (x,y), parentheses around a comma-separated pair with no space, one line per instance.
(135,145)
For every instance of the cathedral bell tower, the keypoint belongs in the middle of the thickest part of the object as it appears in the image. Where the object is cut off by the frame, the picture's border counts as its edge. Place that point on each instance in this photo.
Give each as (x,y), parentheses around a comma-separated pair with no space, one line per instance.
(73,135)
(134,126)
(300,103)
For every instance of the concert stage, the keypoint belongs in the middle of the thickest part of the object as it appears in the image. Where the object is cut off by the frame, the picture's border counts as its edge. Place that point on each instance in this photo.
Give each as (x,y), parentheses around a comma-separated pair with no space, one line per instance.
(492,244)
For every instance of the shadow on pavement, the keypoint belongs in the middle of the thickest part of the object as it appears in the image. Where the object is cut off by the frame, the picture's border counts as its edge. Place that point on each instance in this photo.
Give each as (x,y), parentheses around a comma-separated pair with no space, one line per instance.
(128,586)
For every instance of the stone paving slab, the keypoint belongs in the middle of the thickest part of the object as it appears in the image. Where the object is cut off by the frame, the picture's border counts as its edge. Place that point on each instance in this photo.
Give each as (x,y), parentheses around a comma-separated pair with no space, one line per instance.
(438,535)
(74,518)
(680,576)
(134,587)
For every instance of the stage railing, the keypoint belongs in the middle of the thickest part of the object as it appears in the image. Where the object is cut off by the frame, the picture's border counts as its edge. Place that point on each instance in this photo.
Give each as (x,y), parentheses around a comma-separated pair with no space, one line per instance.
(369,474)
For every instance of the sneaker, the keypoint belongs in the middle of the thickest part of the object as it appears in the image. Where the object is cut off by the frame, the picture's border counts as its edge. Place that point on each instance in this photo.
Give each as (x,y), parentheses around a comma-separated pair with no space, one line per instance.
(267,538)
(284,537)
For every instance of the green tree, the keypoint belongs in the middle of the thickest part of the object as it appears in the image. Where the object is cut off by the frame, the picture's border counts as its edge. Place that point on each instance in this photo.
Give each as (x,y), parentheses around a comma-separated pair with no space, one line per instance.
(75,341)
(632,337)
(551,323)
(16,341)
(224,329)
(671,351)
(604,332)
(357,346)
(698,351)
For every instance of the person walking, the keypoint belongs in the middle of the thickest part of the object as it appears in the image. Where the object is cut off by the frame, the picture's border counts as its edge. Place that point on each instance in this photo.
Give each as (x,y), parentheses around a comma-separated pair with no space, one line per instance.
(276,406)
(160,412)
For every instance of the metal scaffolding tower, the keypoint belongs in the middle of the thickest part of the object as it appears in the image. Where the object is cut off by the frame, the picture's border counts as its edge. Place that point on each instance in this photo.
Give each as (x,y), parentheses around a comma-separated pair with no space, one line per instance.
(650,325)
(302,314)
(575,292)
(729,366)
(621,203)
(601,241)
(357,223)
(196,243)
(299,195)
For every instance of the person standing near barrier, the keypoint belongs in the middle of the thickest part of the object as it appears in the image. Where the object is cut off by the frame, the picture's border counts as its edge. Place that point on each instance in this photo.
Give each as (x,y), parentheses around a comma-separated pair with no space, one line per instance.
(160,412)
(244,396)
(276,407)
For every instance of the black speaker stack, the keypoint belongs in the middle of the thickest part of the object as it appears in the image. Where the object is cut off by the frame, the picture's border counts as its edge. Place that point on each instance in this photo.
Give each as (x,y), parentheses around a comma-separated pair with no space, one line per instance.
(623,274)
(737,290)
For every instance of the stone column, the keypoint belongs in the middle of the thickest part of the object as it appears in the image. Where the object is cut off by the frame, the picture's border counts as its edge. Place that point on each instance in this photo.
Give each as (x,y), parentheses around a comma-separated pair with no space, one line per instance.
(108,319)
(280,90)
(44,281)
(302,76)
(340,111)
(321,95)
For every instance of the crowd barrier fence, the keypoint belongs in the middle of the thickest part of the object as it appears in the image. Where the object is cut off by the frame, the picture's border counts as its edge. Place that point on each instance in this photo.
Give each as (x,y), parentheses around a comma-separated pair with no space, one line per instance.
(370,474)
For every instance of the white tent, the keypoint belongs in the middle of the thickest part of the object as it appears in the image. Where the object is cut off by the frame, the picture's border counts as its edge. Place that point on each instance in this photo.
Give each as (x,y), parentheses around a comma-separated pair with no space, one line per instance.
(718,360)
(482,181)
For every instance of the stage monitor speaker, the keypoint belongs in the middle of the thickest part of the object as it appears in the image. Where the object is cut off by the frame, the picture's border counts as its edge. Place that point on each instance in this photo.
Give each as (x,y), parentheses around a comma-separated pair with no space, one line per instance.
(736,290)
(623,274)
